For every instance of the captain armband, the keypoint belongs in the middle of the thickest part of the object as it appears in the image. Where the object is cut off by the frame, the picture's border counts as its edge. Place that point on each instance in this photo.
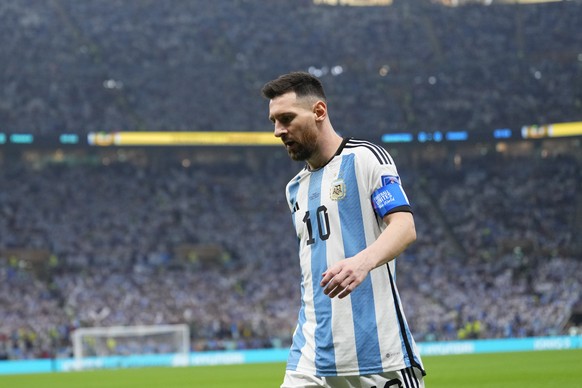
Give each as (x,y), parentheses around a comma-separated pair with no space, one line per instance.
(390,196)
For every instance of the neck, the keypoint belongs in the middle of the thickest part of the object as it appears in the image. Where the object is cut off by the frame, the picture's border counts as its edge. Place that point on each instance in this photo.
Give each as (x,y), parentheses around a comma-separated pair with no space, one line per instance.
(327,148)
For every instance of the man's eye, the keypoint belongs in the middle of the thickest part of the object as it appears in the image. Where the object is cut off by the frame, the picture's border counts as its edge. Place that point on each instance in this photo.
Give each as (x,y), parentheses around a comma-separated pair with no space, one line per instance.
(286,119)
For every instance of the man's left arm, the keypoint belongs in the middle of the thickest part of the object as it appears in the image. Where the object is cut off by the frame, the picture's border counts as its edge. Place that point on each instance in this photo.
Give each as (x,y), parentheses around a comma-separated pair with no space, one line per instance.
(343,277)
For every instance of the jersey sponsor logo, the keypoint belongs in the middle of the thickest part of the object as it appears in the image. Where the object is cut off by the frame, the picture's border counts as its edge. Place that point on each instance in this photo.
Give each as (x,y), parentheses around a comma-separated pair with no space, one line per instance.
(338,190)
(389,355)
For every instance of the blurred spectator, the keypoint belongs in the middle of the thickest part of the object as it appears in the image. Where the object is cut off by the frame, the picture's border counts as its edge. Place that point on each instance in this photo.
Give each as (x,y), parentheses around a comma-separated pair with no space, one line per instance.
(113,233)
(113,65)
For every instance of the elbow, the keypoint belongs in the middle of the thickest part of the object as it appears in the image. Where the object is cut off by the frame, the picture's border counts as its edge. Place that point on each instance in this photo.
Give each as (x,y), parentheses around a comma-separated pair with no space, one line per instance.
(411,232)
(412,236)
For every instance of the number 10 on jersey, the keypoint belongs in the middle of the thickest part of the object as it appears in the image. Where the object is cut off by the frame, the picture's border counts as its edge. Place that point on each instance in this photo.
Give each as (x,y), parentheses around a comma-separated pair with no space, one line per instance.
(322,219)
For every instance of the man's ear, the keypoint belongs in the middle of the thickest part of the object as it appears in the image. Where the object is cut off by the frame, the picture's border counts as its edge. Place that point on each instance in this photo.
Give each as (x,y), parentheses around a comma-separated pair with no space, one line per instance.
(320,110)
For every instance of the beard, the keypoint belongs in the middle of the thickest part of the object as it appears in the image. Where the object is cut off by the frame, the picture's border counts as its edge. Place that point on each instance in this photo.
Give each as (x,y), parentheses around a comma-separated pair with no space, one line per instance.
(300,152)
(303,148)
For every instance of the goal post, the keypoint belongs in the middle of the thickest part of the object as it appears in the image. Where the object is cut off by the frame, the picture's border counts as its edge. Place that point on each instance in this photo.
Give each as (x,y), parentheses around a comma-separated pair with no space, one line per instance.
(91,342)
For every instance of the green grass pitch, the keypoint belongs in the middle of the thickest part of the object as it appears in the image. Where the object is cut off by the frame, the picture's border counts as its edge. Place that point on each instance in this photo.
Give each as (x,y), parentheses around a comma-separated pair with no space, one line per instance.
(501,370)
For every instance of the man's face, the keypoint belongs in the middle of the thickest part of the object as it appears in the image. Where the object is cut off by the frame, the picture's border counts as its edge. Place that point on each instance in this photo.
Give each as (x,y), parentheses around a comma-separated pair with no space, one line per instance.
(295,124)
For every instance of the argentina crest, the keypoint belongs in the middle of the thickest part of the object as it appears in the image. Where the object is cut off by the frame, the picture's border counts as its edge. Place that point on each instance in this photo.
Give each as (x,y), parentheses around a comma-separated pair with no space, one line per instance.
(338,190)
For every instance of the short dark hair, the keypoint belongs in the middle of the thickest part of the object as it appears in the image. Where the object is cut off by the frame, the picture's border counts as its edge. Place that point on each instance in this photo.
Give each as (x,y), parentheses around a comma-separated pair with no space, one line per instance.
(303,84)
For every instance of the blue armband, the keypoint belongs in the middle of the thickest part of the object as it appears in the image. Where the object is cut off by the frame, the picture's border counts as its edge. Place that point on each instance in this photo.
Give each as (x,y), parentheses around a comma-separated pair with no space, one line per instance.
(389,196)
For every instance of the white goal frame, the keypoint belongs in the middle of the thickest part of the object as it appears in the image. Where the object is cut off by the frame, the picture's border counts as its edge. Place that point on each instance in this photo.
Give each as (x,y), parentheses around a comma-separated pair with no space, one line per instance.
(182,330)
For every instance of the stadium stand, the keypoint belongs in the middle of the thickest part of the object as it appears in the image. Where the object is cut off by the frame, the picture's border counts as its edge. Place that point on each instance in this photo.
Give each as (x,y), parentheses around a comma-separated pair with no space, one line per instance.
(114,233)
(160,236)
(113,65)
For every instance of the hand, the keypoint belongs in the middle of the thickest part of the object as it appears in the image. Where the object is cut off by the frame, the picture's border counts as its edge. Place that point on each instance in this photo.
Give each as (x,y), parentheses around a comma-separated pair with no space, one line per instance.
(343,277)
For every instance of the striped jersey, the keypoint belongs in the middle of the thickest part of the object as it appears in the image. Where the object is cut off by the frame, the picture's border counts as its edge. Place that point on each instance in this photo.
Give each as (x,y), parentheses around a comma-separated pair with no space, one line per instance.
(337,211)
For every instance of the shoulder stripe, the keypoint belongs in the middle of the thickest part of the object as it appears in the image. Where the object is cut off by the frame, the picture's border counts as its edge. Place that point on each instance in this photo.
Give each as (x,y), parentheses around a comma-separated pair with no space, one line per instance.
(380,153)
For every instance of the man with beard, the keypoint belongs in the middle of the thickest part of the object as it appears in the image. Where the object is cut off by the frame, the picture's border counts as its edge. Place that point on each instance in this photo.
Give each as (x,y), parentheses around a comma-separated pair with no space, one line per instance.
(352,218)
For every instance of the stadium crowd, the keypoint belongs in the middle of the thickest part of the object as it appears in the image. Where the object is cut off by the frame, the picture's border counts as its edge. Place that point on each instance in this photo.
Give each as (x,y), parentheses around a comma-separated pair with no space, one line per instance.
(115,233)
(114,65)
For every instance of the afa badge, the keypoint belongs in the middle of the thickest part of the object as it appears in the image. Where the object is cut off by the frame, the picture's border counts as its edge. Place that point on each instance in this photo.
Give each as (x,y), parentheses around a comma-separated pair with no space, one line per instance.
(338,190)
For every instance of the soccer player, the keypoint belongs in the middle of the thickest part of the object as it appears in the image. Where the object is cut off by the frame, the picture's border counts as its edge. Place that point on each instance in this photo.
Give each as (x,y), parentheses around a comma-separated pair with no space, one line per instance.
(352,218)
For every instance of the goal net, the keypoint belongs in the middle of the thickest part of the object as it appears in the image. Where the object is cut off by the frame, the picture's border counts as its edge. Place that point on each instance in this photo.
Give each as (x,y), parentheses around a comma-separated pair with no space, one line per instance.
(92,342)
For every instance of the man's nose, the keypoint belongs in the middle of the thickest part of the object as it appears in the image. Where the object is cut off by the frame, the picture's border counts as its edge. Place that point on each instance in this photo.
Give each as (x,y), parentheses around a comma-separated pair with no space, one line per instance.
(279,129)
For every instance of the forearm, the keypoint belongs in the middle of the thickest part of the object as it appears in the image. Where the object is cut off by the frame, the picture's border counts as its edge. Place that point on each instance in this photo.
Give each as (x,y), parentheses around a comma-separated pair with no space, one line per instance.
(345,275)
